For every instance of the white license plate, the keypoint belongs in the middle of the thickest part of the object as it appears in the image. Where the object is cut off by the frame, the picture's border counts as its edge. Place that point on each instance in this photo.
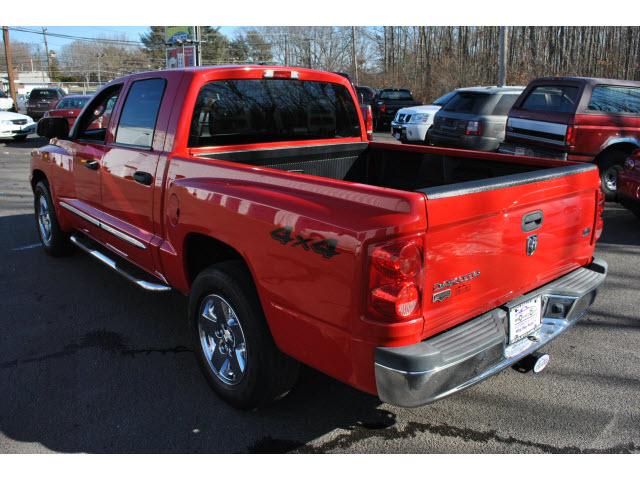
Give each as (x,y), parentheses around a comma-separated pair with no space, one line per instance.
(524,319)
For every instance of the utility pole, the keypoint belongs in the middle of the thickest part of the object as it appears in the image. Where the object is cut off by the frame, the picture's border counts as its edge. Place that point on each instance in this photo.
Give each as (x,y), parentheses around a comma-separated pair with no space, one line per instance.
(99,68)
(286,49)
(8,57)
(503,42)
(46,51)
(353,54)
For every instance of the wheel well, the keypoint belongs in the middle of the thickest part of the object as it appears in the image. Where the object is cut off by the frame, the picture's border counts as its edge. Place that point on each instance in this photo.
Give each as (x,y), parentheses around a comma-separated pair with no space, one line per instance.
(202,251)
(37,176)
(625,147)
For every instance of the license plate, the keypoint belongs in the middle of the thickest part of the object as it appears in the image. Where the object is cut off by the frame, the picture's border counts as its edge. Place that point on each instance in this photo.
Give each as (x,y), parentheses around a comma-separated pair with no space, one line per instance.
(524,319)
(520,151)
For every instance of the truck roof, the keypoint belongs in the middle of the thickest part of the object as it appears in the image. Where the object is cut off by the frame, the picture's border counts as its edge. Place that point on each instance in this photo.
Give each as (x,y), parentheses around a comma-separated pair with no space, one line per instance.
(589,80)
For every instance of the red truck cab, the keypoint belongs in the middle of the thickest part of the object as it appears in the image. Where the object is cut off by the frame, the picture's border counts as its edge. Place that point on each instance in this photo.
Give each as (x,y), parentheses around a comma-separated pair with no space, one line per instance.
(407,272)
(579,119)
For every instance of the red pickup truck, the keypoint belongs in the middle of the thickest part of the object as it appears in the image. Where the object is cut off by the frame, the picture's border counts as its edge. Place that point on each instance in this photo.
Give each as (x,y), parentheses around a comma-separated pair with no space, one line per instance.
(408,272)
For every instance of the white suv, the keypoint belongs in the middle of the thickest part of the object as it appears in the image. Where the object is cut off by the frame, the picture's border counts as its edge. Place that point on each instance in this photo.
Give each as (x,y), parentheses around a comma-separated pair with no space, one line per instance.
(411,123)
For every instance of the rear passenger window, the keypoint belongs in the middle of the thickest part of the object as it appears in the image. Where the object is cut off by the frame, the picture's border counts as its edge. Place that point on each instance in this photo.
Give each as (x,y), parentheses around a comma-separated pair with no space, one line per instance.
(552,98)
(504,104)
(139,113)
(613,99)
(467,103)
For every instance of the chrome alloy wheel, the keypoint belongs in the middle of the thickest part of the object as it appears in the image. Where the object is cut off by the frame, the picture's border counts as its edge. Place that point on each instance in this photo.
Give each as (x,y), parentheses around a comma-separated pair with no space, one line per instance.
(44,220)
(222,339)
(611,178)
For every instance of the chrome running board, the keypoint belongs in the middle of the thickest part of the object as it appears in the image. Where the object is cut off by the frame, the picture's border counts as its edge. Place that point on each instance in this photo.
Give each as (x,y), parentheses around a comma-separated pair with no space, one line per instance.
(111,263)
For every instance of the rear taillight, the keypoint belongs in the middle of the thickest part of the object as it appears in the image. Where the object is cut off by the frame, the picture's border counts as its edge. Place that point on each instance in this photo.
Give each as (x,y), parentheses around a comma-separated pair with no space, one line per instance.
(473,128)
(395,280)
(599,211)
(368,120)
(383,108)
(570,136)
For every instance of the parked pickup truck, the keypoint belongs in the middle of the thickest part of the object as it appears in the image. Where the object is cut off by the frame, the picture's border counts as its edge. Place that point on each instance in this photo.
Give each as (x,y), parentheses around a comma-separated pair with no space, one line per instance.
(386,104)
(579,119)
(408,272)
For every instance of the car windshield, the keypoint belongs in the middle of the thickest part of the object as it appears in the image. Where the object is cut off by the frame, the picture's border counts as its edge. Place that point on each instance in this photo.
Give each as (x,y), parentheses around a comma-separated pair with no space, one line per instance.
(231,112)
(467,102)
(444,99)
(396,95)
(42,94)
(77,102)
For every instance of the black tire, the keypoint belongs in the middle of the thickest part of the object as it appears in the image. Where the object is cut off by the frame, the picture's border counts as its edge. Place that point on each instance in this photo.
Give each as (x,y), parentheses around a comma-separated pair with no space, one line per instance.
(269,374)
(610,165)
(19,138)
(57,243)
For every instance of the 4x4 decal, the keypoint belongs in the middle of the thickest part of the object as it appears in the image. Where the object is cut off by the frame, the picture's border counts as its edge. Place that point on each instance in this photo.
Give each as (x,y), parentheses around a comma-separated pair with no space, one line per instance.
(325,247)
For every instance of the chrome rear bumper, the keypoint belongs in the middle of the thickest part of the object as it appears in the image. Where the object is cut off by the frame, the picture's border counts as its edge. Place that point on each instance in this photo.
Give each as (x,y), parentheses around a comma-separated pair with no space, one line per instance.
(459,358)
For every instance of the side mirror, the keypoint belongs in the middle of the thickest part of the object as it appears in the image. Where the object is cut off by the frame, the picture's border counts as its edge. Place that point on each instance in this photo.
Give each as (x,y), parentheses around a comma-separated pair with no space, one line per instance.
(53,127)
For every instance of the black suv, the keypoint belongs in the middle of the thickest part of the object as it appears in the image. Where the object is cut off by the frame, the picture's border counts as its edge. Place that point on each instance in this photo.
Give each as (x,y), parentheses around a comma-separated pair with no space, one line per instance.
(41,100)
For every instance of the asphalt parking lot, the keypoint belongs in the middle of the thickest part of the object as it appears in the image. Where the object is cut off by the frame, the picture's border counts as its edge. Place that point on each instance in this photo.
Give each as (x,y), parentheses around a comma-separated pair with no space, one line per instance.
(89,363)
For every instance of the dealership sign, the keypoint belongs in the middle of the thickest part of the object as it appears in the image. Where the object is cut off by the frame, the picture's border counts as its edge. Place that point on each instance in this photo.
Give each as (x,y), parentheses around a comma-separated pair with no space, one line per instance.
(173,35)
(180,57)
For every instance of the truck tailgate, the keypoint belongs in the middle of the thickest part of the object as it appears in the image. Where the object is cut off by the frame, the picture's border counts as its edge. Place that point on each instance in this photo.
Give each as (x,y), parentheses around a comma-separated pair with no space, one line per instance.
(480,246)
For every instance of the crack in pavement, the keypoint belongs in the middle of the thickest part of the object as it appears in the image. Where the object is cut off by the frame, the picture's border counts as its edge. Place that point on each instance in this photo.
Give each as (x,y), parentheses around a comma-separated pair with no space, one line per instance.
(359,433)
(111,342)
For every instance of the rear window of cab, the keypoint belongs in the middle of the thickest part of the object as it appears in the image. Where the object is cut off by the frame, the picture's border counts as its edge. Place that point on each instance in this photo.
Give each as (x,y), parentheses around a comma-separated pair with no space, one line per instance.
(233,112)
(552,98)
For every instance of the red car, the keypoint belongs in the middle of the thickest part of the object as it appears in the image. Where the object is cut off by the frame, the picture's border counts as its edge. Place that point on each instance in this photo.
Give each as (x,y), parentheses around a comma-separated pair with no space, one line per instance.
(579,119)
(629,184)
(69,107)
(409,272)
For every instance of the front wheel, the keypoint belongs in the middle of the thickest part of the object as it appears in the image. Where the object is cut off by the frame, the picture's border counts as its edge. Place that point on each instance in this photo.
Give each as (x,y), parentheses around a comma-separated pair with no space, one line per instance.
(19,138)
(234,346)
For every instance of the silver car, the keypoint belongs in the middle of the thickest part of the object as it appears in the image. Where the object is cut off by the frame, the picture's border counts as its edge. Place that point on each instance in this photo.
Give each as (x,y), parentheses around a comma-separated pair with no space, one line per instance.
(474,119)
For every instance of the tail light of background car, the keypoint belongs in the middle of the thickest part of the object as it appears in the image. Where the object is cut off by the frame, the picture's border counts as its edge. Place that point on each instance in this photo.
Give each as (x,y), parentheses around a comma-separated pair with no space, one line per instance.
(368,121)
(570,136)
(473,128)
(383,108)
(395,279)
(597,231)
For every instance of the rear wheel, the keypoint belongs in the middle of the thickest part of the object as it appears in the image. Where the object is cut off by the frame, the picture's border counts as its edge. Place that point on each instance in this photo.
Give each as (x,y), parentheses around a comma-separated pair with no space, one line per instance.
(610,166)
(54,241)
(20,138)
(235,349)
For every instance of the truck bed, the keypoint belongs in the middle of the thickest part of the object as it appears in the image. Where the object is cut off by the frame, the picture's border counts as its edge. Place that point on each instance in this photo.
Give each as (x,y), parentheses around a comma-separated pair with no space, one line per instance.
(436,172)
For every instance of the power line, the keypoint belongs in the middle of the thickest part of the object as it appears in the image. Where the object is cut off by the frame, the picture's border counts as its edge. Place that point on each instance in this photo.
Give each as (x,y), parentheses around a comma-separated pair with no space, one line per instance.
(77,37)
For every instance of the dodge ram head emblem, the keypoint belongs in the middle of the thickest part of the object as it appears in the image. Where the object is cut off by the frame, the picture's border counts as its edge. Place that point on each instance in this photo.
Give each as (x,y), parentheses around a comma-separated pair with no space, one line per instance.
(532,244)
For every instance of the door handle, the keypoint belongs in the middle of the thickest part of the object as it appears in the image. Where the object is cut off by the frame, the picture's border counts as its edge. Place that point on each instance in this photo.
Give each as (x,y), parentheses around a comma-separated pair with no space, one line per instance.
(143,177)
(532,221)
(91,164)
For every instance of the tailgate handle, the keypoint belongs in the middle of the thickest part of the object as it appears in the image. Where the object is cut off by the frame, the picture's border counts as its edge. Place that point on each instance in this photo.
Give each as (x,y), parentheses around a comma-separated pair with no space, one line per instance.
(532,221)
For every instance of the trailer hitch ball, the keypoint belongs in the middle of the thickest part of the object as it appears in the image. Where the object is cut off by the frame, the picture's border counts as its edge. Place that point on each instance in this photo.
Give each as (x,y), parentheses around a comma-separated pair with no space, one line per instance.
(536,362)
